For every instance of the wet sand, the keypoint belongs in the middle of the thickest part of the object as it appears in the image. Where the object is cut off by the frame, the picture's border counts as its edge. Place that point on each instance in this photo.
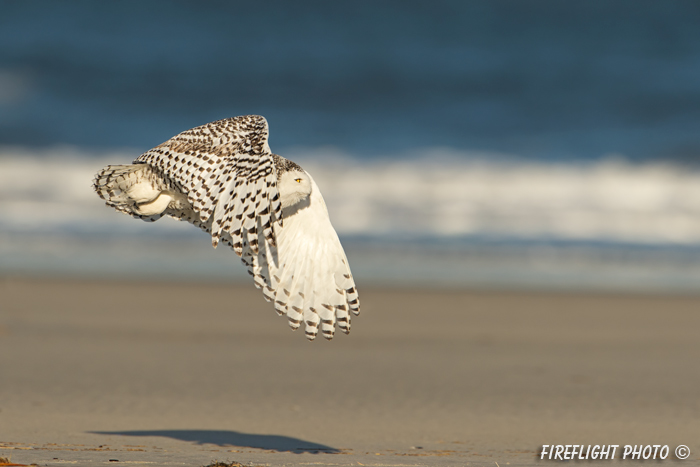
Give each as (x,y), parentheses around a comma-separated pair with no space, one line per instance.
(95,373)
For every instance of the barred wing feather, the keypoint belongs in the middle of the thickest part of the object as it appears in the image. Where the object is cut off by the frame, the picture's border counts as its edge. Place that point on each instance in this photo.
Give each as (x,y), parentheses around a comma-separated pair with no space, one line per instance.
(225,168)
(306,274)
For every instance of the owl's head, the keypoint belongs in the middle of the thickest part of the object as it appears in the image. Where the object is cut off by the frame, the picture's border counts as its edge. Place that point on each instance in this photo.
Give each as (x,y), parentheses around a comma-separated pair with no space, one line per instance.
(294,186)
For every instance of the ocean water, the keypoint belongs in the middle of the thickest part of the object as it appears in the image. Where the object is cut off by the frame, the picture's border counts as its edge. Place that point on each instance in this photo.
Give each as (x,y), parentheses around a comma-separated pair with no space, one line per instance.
(457,143)
(541,79)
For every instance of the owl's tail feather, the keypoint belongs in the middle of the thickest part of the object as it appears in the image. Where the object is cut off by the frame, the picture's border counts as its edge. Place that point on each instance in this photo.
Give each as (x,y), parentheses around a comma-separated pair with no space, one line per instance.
(132,189)
(113,182)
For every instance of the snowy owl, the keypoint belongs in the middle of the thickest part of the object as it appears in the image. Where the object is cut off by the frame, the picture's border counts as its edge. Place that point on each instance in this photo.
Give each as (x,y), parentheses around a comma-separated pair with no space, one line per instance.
(222,178)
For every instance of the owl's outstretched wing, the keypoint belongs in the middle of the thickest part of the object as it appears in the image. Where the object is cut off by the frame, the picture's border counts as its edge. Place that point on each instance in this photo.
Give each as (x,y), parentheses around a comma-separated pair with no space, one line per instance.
(225,169)
(307,274)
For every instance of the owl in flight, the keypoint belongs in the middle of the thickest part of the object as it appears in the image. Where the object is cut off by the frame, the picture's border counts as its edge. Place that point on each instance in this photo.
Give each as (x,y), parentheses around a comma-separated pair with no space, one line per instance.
(222,178)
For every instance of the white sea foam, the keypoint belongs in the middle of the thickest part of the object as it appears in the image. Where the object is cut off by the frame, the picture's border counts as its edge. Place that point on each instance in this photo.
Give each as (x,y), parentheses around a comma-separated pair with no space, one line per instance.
(51,191)
(51,222)
(422,196)
(457,195)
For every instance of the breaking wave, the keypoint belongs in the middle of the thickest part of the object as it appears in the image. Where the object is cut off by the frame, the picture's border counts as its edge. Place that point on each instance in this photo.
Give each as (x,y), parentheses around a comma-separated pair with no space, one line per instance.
(439,219)
(435,196)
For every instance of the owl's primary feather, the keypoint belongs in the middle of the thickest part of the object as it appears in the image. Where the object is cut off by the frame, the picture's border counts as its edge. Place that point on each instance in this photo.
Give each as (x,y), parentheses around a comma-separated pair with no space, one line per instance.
(222,178)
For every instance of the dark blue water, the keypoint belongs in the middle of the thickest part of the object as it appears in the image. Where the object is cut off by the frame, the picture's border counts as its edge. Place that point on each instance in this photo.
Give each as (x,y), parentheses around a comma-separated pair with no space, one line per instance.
(539,79)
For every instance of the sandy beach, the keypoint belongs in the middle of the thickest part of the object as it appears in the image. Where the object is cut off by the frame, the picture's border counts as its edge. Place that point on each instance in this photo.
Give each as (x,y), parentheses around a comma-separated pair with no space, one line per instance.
(95,373)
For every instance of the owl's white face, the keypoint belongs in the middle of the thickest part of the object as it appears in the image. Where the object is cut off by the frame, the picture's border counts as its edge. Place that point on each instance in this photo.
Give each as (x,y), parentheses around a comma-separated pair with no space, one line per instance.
(294,186)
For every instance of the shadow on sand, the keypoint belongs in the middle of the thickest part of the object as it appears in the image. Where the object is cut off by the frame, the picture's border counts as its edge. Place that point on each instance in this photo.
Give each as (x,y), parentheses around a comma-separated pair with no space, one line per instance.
(233,439)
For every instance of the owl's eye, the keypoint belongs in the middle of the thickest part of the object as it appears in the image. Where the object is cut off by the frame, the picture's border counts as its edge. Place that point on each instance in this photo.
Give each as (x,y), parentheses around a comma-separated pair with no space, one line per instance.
(298,180)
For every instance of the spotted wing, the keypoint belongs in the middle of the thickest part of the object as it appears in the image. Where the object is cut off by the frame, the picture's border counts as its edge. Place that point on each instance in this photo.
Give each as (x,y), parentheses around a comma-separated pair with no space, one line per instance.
(307,274)
(226,170)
